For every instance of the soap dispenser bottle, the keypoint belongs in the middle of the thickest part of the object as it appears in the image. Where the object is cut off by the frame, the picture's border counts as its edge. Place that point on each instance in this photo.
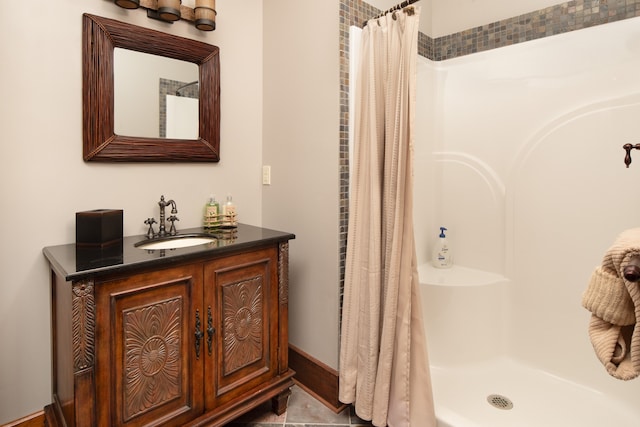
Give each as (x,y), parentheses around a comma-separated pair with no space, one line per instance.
(229,213)
(211,213)
(442,255)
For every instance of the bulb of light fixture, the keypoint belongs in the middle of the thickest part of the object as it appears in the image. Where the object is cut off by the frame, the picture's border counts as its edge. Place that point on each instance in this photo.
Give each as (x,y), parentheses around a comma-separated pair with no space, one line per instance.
(128,4)
(205,13)
(169,10)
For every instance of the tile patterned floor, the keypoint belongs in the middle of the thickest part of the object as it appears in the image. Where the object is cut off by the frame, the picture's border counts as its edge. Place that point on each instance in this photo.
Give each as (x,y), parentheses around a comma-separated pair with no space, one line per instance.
(302,411)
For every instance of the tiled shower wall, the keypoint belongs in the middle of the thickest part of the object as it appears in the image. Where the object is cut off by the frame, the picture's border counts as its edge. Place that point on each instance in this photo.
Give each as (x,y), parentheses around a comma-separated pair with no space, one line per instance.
(558,19)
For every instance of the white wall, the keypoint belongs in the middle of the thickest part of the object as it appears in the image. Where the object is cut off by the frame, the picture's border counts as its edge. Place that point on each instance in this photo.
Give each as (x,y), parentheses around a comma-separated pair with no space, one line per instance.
(526,149)
(301,144)
(44,181)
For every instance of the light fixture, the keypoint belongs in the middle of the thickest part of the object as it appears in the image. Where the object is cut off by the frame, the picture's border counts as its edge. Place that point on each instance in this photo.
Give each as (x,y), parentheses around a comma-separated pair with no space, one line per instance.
(205,14)
(128,4)
(169,10)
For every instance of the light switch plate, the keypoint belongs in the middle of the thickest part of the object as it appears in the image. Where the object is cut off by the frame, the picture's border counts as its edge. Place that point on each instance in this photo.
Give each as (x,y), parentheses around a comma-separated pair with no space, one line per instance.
(266,175)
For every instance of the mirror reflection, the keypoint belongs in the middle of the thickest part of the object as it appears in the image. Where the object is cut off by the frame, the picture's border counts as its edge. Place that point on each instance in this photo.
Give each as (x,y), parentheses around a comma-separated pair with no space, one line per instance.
(155,96)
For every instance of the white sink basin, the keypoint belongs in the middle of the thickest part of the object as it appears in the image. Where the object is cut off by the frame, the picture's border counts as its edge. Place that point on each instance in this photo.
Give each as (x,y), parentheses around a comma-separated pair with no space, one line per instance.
(175,242)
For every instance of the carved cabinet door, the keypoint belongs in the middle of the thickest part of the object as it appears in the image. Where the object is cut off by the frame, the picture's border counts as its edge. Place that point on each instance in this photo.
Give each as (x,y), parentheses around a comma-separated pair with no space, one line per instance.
(241,300)
(148,371)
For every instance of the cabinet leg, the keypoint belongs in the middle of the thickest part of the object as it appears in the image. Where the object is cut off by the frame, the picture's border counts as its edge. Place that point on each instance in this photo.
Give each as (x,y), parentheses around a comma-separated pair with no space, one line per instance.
(279,402)
(50,419)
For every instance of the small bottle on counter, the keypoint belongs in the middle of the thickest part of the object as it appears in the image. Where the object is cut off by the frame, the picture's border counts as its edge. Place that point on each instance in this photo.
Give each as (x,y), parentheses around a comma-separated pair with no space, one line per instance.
(211,213)
(229,215)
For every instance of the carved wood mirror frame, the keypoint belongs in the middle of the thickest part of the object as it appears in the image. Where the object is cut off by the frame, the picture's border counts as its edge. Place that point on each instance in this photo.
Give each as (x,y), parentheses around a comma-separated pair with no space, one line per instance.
(100,143)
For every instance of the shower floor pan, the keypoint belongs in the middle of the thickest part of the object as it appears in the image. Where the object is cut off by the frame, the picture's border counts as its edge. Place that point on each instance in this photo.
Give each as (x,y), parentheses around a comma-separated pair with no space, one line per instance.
(506,393)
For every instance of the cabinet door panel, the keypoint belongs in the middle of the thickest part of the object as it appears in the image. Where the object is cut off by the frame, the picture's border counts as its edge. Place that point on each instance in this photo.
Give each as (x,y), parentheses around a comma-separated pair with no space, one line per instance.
(148,335)
(242,293)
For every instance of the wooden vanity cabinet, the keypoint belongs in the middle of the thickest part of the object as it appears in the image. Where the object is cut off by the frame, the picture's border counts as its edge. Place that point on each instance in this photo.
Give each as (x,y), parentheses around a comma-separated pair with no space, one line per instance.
(197,343)
(242,298)
(146,367)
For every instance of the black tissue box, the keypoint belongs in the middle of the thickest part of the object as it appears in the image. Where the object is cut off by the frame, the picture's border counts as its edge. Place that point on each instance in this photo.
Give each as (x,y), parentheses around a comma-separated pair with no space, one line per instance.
(95,256)
(99,228)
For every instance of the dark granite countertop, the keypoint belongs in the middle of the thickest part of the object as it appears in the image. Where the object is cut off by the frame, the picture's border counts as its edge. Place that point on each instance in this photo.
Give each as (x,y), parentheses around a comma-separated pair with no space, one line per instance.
(76,262)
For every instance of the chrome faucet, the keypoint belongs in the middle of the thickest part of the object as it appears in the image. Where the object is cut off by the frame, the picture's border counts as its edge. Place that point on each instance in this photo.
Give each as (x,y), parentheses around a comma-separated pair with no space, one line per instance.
(174,210)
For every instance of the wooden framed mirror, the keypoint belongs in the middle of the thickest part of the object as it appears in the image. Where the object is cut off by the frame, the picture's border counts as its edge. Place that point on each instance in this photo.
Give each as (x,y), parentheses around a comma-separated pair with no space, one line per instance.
(100,142)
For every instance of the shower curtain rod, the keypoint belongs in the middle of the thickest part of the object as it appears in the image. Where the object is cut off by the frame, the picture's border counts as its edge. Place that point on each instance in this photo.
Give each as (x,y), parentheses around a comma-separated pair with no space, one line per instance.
(185,86)
(394,8)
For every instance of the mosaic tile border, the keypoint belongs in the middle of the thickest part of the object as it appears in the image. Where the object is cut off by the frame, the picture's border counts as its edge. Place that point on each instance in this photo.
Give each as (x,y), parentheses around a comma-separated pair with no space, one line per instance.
(569,16)
(550,21)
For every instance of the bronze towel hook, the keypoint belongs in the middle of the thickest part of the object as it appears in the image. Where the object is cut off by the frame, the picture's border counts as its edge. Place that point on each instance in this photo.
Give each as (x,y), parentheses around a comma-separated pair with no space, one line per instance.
(631,271)
(628,148)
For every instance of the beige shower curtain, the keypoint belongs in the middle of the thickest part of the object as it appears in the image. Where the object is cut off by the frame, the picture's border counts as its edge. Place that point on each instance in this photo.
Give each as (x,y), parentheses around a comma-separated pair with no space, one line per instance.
(383,360)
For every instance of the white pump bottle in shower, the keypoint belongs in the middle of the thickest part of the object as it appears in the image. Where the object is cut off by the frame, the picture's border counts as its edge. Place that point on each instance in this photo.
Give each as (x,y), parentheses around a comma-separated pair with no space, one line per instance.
(442,254)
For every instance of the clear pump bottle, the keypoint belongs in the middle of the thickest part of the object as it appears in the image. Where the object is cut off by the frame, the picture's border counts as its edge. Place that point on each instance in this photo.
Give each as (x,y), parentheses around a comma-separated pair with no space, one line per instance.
(229,214)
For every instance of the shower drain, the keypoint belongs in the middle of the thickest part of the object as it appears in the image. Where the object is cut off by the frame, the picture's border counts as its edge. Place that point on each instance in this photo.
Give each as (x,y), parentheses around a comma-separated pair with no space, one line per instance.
(499,401)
